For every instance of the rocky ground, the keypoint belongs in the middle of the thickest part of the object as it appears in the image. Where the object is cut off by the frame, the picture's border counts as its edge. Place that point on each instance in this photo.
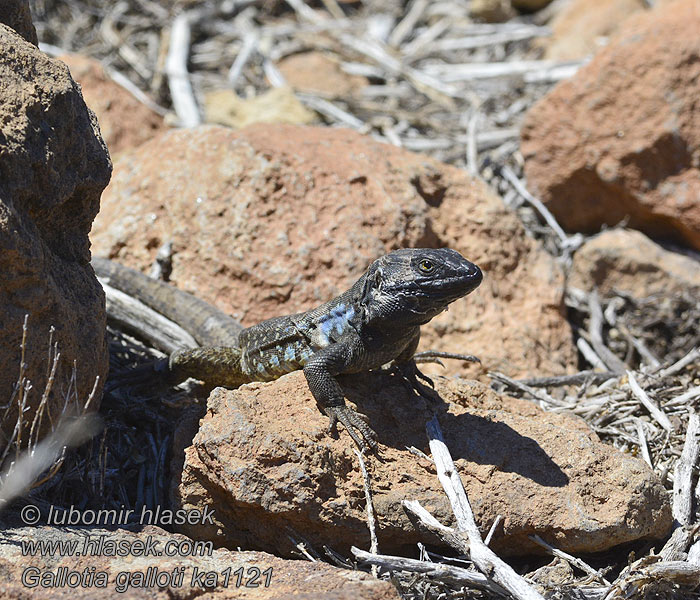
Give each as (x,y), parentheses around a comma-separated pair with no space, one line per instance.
(261,155)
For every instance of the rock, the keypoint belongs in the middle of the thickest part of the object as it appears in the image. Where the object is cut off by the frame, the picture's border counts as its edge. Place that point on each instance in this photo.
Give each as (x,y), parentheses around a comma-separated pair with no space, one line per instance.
(277,219)
(16,15)
(264,457)
(626,260)
(491,11)
(53,169)
(558,573)
(578,31)
(124,121)
(614,143)
(529,5)
(278,105)
(181,577)
(316,73)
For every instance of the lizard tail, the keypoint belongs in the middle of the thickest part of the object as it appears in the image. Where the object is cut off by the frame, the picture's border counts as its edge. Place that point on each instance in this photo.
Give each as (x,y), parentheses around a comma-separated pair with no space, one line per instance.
(218,366)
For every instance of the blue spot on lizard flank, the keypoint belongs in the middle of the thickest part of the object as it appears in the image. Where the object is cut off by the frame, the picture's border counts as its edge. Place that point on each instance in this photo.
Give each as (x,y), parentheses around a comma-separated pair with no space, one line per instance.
(336,320)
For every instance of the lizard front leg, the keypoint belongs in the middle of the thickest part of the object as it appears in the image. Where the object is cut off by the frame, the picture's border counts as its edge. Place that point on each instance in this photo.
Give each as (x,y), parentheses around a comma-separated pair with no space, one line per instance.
(320,374)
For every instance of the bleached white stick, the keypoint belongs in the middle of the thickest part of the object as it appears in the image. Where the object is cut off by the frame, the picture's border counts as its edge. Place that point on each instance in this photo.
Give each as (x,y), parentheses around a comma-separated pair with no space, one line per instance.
(686,473)
(482,556)
(178,77)
(641,395)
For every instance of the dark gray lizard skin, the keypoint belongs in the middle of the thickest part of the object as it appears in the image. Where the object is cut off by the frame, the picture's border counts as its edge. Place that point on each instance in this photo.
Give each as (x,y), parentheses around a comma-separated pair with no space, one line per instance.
(376,322)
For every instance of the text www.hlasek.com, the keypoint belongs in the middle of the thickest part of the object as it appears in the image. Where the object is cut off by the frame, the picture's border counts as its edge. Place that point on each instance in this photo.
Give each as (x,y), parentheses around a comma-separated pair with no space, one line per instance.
(102,545)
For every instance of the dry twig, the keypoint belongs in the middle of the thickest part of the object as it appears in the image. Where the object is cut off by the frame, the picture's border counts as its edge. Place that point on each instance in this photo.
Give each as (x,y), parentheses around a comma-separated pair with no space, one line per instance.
(482,556)
(371,521)
(642,396)
(178,77)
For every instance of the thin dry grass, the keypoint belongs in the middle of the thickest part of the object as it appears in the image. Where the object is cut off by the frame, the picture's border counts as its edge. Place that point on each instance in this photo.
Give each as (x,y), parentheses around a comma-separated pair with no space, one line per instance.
(26,461)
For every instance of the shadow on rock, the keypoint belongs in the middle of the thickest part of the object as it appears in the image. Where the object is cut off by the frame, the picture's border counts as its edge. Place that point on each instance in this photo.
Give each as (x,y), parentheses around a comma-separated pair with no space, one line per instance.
(485,441)
(485,437)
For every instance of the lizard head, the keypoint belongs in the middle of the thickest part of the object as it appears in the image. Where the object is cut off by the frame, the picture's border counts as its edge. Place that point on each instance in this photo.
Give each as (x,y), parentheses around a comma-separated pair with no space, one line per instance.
(413,285)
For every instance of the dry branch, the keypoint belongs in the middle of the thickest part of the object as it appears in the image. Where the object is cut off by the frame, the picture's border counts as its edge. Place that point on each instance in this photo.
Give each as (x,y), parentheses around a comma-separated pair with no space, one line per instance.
(576,379)
(25,471)
(457,540)
(642,396)
(693,357)
(676,547)
(686,474)
(590,355)
(133,315)
(184,102)
(535,202)
(586,568)
(519,385)
(644,447)
(371,521)
(449,574)
(632,582)
(595,330)
(537,69)
(482,556)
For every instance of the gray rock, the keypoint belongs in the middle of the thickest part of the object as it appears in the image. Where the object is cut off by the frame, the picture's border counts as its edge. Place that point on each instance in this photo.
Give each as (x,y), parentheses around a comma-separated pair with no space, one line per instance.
(16,15)
(53,168)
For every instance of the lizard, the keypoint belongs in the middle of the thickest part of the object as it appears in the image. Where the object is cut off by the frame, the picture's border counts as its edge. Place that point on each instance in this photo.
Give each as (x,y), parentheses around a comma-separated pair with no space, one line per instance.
(375,322)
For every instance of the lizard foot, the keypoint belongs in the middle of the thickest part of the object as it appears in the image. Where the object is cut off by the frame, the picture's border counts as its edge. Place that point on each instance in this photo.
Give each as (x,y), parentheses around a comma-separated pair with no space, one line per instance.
(410,373)
(352,421)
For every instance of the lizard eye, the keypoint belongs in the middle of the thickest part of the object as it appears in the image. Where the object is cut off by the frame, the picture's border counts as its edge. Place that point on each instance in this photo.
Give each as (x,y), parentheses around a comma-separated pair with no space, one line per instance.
(426,266)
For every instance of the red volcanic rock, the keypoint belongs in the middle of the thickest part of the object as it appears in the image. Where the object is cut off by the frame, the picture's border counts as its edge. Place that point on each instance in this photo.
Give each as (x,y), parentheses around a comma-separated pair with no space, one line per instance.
(621,139)
(275,219)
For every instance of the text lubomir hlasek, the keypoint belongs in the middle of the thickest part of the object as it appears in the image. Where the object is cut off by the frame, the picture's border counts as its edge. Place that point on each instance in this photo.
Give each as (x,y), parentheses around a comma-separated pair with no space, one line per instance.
(124,516)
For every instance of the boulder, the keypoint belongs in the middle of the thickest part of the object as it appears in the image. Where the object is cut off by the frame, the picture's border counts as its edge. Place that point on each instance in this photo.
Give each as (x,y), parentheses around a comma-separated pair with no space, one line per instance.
(529,5)
(191,571)
(578,31)
(276,219)
(628,261)
(491,11)
(16,15)
(124,121)
(317,73)
(53,168)
(277,105)
(621,139)
(265,458)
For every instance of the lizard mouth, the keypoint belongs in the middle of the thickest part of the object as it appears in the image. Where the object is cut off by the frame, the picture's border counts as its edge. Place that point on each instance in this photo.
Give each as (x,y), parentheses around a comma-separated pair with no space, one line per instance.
(444,290)
(454,287)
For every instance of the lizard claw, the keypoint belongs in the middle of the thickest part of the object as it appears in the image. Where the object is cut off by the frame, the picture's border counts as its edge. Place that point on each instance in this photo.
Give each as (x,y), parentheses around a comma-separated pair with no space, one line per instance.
(410,373)
(424,377)
(352,421)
